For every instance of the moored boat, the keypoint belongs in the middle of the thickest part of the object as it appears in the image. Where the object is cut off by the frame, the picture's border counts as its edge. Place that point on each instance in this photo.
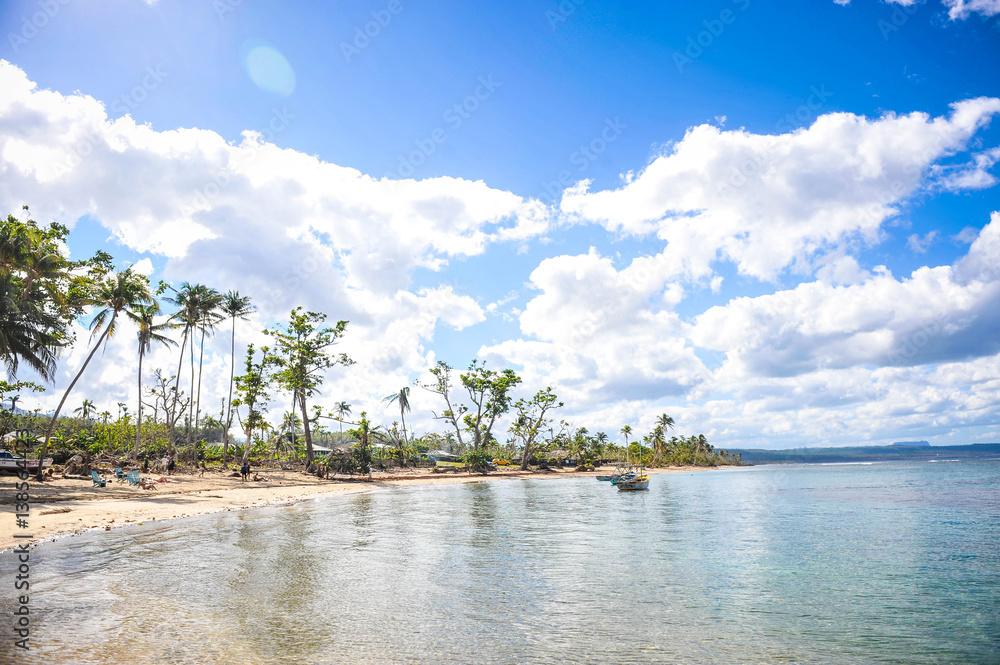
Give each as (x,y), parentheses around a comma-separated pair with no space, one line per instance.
(640,482)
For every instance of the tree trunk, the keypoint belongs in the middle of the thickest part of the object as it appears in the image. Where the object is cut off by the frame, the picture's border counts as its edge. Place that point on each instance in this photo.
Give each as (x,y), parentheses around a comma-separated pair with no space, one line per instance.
(138,422)
(173,405)
(229,404)
(201,361)
(305,427)
(190,421)
(55,416)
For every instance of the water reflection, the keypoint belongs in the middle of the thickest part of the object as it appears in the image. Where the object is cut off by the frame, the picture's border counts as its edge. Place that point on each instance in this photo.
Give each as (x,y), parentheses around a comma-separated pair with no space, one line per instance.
(729,567)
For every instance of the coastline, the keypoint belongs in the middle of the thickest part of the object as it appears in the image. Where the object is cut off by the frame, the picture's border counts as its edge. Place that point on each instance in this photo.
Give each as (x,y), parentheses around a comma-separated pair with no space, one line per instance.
(66,507)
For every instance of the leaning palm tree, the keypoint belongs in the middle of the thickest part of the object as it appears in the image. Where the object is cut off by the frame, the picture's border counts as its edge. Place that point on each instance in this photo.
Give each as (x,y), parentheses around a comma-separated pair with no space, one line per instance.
(149,332)
(115,294)
(626,430)
(235,307)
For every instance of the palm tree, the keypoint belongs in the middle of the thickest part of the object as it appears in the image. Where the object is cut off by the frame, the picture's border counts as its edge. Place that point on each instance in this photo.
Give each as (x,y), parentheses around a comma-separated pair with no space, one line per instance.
(235,307)
(149,332)
(193,301)
(626,430)
(115,294)
(85,409)
(664,423)
(343,409)
(32,270)
(403,398)
(209,317)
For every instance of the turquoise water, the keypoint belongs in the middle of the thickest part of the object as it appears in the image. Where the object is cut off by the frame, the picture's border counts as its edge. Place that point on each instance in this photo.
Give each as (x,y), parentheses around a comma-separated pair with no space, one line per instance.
(883,563)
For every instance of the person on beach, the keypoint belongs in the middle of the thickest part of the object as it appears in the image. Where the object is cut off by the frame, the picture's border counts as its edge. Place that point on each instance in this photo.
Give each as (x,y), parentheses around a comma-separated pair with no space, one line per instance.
(201,471)
(171,465)
(245,471)
(145,464)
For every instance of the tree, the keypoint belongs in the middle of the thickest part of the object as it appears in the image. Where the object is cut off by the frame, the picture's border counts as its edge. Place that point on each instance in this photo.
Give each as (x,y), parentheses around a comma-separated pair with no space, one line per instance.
(235,307)
(303,355)
(115,294)
(342,409)
(442,386)
(209,317)
(195,302)
(40,293)
(531,421)
(149,332)
(85,410)
(403,399)
(488,391)
(664,423)
(252,392)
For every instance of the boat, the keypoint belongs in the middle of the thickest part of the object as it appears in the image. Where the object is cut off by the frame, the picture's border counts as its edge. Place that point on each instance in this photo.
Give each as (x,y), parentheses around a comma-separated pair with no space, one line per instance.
(604,478)
(622,477)
(639,482)
(11,462)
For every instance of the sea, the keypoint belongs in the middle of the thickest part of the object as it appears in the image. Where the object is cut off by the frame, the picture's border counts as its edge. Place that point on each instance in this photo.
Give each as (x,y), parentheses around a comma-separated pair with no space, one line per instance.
(893,562)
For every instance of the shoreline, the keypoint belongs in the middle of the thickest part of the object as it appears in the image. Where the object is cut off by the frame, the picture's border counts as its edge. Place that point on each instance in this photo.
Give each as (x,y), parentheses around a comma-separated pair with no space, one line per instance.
(65,507)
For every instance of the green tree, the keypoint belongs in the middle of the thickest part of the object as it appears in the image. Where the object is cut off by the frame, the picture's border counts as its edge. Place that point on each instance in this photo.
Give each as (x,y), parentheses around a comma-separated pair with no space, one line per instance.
(41,292)
(342,409)
(115,294)
(531,421)
(252,391)
(303,355)
(149,332)
(85,410)
(403,399)
(235,307)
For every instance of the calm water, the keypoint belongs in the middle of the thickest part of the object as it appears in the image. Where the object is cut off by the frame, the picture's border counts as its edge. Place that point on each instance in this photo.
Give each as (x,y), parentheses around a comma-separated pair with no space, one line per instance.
(883,563)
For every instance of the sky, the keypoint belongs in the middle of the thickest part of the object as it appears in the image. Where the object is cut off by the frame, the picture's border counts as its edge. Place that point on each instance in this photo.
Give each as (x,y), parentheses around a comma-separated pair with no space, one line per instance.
(777,222)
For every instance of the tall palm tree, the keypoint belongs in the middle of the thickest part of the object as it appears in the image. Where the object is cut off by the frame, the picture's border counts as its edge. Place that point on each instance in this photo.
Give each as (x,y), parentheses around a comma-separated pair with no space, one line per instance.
(626,430)
(664,423)
(115,294)
(235,307)
(209,317)
(149,332)
(192,301)
(343,409)
(403,399)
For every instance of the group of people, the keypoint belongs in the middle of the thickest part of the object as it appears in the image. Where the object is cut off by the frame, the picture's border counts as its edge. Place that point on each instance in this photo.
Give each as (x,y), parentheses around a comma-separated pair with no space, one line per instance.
(168,464)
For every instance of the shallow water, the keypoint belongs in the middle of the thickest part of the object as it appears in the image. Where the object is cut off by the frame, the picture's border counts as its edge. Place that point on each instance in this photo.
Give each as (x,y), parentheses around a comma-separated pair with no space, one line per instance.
(883,563)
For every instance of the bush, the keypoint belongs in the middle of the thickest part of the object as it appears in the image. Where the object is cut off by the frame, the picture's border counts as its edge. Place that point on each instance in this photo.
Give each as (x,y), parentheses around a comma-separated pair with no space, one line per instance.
(478,460)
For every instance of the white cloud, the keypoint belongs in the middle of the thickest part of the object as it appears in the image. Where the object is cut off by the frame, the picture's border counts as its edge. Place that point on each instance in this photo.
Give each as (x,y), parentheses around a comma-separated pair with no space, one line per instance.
(960,9)
(772,202)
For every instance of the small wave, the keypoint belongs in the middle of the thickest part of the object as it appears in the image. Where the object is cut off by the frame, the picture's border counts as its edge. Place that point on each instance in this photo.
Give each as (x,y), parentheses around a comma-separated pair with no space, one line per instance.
(846,463)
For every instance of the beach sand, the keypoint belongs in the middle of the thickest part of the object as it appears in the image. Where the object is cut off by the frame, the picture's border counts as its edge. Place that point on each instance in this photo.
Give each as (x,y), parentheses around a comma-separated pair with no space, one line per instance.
(63,506)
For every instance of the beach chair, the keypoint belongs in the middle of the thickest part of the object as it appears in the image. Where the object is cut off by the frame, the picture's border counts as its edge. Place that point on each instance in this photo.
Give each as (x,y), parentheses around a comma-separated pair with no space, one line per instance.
(120,475)
(133,477)
(98,481)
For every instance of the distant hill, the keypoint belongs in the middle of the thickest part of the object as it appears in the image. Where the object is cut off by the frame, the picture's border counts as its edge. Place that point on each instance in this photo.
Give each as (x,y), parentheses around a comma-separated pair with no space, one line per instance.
(912,444)
(867,453)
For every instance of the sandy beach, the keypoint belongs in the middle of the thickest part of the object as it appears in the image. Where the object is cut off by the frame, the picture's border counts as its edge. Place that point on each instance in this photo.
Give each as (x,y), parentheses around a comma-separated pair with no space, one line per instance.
(63,506)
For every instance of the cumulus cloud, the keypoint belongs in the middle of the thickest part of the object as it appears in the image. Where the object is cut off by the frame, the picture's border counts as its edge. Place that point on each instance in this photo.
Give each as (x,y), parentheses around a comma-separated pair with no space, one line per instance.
(960,9)
(772,202)
(285,227)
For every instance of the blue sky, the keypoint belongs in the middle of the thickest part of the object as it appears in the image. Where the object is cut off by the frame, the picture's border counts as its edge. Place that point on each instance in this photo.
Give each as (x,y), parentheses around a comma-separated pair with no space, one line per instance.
(720,210)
